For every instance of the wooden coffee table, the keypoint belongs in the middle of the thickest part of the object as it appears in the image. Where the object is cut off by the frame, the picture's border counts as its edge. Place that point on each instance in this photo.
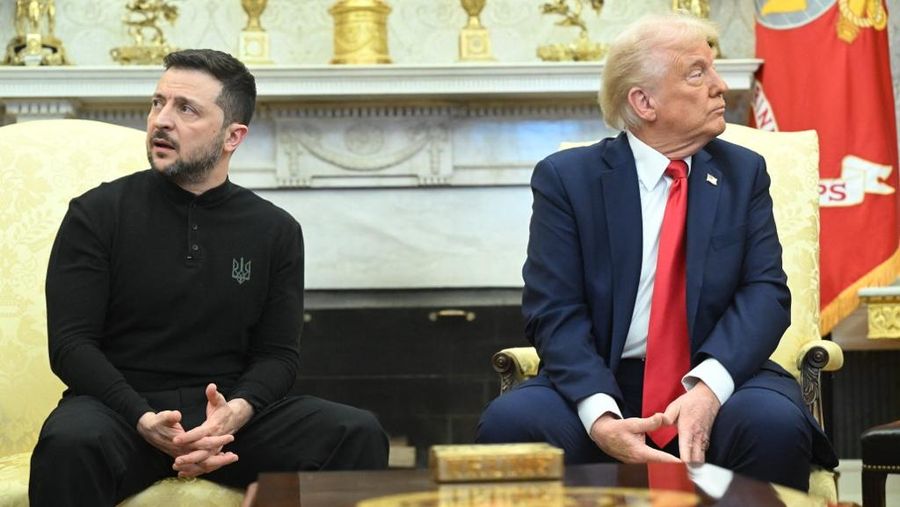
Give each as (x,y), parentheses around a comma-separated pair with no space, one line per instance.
(346,489)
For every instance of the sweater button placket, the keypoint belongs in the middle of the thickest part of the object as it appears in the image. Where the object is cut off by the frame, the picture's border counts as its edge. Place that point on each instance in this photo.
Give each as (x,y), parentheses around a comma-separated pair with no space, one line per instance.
(194,241)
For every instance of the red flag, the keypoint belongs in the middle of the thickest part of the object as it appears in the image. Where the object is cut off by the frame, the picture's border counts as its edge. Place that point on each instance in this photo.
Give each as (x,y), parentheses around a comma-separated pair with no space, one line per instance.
(826,67)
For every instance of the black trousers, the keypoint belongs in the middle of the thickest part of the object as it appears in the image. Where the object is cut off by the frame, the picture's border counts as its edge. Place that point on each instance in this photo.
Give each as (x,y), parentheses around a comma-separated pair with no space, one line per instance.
(87,454)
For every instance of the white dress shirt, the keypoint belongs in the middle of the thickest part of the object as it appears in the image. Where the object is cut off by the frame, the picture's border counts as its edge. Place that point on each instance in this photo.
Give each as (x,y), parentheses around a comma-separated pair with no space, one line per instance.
(654,190)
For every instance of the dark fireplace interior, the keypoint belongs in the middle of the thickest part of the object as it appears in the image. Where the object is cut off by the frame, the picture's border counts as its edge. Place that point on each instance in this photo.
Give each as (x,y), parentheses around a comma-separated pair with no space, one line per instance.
(420,360)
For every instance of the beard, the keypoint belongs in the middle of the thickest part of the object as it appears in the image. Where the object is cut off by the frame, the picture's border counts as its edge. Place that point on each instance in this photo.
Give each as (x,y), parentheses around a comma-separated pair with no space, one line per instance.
(189,170)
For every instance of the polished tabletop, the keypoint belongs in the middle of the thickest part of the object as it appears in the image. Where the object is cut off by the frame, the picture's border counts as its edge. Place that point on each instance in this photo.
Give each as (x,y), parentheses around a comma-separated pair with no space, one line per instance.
(598,484)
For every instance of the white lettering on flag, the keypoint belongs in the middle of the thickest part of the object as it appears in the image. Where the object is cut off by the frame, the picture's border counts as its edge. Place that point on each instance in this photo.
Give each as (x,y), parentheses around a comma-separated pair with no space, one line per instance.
(858,177)
(762,110)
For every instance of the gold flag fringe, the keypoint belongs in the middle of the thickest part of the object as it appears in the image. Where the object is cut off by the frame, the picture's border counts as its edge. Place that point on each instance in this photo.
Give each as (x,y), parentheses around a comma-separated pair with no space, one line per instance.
(847,301)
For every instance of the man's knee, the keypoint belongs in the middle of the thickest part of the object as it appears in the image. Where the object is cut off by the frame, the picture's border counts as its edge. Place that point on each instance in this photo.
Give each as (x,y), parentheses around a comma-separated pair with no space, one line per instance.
(538,414)
(66,436)
(763,434)
(527,414)
(364,443)
(81,453)
(766,419)
(62,447)
(504,420)
(363,425)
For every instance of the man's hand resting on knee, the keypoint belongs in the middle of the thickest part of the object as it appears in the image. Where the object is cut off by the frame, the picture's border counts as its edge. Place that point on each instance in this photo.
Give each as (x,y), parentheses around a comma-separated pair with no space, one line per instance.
(223,419)
(624,439)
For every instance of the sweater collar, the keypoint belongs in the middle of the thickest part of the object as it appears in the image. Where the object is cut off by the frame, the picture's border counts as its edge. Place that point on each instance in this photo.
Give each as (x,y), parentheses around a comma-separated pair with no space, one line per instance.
(179,195)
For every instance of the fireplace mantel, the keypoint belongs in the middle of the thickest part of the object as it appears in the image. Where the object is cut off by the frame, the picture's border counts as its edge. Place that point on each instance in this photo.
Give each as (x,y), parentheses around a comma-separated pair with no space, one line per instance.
(410,178)
(331,82)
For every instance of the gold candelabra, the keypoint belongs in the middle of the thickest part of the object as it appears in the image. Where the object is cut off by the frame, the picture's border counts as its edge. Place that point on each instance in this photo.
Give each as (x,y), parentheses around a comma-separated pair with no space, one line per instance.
(360,31)
(142,17)
(253,46)
(35,42)
(582,48)
(474,41)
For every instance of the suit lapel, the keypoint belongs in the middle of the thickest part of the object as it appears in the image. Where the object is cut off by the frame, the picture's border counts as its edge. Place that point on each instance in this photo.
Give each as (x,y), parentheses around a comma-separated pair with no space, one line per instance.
(622,212)
(703,200)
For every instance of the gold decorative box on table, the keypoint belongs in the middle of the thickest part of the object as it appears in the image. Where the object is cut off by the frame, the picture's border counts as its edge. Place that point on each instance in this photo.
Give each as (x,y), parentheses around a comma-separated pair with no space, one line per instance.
(495,462)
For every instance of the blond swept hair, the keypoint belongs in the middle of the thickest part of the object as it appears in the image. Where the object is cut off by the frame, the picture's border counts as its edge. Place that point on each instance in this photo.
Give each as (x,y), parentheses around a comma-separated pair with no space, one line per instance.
(638,58)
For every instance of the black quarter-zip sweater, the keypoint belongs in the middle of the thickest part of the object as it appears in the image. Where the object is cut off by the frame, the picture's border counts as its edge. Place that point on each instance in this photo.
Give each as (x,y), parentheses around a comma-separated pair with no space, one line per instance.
(151,288)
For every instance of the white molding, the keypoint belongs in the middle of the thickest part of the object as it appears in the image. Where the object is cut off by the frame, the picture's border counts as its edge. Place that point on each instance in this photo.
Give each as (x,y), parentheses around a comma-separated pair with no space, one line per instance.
(317,82)
(23,110)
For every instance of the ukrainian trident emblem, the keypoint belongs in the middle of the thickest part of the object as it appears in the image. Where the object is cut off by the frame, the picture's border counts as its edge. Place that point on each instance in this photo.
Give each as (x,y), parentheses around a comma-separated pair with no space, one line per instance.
(240,271)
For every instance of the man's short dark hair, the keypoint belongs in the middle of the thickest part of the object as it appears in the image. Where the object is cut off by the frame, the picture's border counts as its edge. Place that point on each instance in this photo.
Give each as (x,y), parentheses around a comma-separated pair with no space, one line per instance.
(238,96)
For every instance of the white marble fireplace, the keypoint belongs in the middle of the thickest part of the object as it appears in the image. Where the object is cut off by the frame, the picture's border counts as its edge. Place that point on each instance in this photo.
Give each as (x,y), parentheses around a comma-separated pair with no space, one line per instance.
(403,177)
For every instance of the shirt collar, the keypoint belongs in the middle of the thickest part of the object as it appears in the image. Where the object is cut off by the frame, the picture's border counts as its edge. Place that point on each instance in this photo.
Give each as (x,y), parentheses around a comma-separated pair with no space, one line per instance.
(211,197)
(650,164)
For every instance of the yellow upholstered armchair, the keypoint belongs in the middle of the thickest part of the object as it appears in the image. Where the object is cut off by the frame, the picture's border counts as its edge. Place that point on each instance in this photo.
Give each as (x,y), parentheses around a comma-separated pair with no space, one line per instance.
(792,159)
(43,164)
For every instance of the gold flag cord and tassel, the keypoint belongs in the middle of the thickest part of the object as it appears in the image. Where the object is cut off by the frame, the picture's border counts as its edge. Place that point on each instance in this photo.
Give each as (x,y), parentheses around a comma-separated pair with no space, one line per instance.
(848,300)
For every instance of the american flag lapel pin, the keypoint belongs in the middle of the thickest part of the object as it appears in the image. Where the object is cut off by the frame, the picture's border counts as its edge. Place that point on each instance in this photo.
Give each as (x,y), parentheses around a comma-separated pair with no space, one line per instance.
(712,180)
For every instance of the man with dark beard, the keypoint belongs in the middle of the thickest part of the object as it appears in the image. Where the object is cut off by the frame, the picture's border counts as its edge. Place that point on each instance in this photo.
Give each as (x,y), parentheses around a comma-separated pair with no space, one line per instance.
(174,305)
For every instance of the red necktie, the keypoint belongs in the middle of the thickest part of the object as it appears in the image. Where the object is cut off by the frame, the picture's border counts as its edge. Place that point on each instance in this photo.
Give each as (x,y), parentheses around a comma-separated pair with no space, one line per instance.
(668,346)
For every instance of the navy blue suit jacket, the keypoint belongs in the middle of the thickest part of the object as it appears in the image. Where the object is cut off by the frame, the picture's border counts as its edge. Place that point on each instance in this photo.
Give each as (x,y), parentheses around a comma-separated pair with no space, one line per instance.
(584,262)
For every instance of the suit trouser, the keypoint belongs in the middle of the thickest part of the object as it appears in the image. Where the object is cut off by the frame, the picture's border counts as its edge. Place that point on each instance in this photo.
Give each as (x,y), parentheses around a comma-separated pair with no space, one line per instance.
(757,432)
(87,454)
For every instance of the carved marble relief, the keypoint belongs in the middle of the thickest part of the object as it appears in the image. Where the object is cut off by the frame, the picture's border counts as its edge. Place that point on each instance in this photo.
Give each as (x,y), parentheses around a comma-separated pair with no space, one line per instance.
(422,146)
(363,146)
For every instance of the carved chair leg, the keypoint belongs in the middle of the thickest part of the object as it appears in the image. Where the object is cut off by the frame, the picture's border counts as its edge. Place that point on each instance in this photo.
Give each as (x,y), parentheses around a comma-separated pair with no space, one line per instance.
(873,488)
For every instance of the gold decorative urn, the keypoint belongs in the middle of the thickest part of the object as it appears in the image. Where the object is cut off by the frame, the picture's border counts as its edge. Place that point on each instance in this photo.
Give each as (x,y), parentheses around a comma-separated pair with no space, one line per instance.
(474,42)
(360,31)
(253,46)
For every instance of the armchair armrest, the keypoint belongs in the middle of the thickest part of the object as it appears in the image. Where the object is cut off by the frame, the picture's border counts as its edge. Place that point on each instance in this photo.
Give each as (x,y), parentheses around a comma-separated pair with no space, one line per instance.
(825,355)
(813,357)
(515,365)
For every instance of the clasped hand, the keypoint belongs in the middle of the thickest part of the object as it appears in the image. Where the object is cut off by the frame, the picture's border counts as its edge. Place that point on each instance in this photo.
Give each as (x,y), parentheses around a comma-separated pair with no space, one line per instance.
(199,450)
(693,413)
